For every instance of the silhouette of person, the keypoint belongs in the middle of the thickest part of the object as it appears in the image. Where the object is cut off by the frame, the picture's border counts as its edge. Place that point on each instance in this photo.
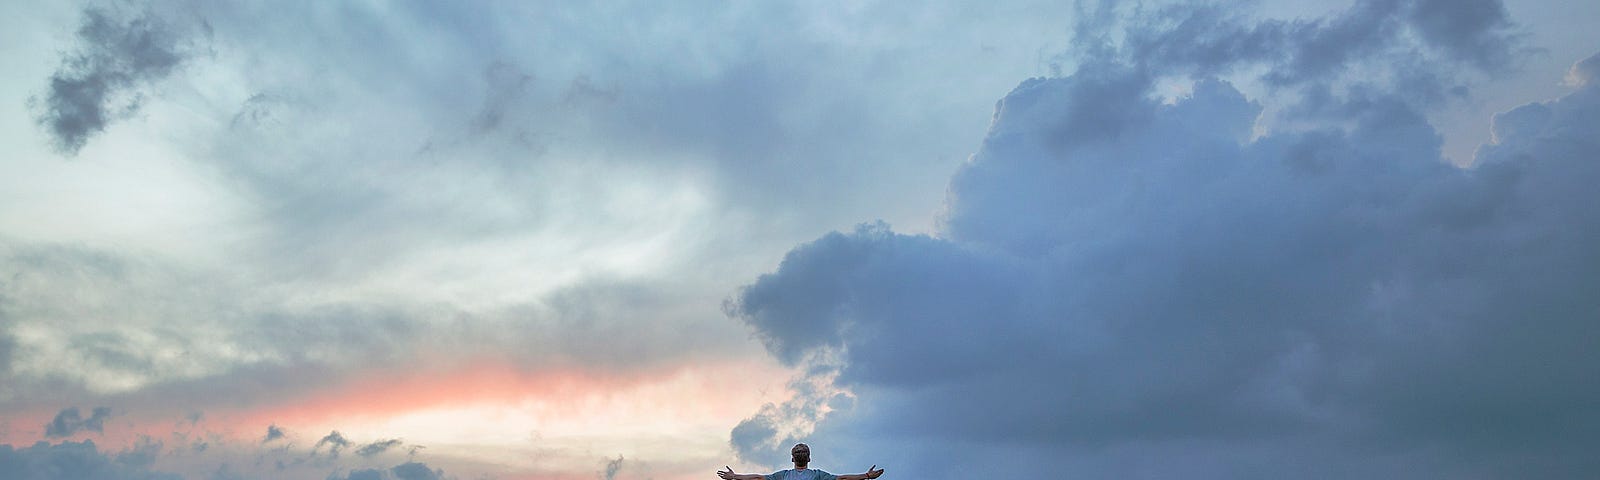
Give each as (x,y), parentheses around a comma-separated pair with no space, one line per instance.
(801,453)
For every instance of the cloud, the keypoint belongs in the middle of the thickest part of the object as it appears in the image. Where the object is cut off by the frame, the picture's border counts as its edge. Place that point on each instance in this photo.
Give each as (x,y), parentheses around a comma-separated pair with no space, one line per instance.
(142,454)
(119,52)
(75,460)
(1127,287)
(1584,72)
(506,85)
(377,447)
(273,433)
(1403,37)
(7,346)
(404,471)
(651,161)
(416,471)
(335,442)
(612,467)
(366,474)
(770,433)
(69,422)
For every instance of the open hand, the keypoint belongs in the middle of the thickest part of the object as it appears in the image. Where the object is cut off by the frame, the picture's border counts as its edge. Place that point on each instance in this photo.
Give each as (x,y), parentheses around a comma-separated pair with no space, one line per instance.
(728,475)
(874,472)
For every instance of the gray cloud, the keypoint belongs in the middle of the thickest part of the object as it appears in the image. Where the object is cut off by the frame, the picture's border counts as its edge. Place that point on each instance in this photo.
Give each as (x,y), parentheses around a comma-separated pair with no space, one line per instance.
(329,205)
(75,460)
(1584,72)
(377,447)
(142,454)
(404,471)
(505,86)
(273,433)
(244,350)
(365,474)
(118,53)
(1174,289)
(416,471)
(612,467)
(69,421)
(1475,31)
(335,442)
(7,343)
(1385,34)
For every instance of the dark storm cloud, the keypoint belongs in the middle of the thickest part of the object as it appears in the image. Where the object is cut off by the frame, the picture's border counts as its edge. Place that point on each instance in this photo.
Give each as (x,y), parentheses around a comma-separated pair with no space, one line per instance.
(1178,292)
(77,461)
(69,421)
(118,53)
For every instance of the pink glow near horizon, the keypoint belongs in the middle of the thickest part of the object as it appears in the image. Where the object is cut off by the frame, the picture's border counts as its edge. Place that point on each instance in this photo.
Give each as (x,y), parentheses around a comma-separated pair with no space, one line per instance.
(683,411)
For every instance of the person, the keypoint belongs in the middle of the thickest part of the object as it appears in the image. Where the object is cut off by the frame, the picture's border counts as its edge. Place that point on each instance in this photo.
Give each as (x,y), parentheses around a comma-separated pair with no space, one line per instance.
(801,454)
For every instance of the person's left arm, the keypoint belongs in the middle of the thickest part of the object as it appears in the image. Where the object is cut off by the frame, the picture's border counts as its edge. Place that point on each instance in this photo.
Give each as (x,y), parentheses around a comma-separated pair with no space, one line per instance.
(873,472)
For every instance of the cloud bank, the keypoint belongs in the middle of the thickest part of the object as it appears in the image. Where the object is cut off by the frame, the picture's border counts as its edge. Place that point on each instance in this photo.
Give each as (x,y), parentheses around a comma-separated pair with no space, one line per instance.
(1128,287)
(144,459)
(75,460)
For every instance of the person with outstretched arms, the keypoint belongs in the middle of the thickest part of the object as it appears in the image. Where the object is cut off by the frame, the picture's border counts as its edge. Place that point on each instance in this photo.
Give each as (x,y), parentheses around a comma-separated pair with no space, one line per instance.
(801,454)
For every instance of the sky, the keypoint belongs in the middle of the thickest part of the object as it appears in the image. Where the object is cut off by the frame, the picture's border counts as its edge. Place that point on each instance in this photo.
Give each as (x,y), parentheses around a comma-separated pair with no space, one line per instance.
(372,240)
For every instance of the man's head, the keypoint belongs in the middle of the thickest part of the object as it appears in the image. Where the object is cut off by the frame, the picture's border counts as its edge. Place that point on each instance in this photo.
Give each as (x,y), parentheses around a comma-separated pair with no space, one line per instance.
(801,453)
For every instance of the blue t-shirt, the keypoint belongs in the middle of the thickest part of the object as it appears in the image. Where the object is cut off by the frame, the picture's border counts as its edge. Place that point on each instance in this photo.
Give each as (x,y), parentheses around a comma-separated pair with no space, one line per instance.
(798,474)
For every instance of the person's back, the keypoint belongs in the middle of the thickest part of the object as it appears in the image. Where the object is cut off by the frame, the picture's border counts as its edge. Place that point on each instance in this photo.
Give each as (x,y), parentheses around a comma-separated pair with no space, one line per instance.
(801,474)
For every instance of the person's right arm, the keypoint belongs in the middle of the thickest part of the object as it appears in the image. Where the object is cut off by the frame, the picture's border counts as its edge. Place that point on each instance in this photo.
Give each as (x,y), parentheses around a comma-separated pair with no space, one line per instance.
(729,475)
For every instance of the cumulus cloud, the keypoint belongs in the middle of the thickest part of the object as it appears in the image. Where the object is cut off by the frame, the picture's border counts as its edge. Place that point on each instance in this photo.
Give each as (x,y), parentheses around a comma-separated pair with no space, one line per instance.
(119,52)
(69,421)
(1127,287)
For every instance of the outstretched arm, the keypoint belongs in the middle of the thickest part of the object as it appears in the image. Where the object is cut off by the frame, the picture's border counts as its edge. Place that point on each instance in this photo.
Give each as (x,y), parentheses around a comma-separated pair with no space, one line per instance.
(872,472)
(729,475)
